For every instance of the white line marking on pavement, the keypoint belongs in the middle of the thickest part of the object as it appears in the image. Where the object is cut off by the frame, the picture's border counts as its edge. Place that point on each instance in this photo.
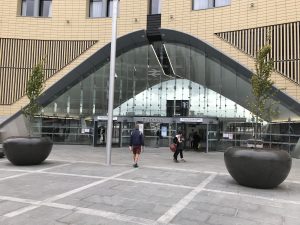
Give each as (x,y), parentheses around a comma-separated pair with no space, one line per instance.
(33,171)
(114,216)
(63,195)
(21,211)
(82,210)
(254,196)
(26,172)
(21,200)
(156,183)
(54,167)
(172,212)
(14,176)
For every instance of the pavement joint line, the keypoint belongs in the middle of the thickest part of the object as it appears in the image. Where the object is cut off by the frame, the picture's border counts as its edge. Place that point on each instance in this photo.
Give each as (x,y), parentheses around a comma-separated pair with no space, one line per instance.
(66,194)
(74,191)
(93,212)
(20,200)
(156,183)
(54,167)
(14,176)
(143,166)
(253,196)
(115,216)
(120,179)
(79,161)
(179,206)
(26,172)
(101,177)
(21,211)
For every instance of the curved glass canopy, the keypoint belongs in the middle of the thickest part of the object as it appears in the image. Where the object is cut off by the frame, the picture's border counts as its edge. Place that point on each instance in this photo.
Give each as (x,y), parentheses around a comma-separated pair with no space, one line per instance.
(149,78)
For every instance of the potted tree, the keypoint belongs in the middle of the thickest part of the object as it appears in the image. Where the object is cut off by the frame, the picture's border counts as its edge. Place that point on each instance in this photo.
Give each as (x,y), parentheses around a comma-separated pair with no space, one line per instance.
(259,167)
(30,150)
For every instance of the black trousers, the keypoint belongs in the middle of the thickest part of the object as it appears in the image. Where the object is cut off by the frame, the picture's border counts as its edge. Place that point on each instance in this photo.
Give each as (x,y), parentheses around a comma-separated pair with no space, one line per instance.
(178,151)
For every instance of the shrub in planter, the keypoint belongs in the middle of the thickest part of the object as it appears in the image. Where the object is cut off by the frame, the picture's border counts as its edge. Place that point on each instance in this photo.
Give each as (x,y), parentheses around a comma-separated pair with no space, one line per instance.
(257,167)
(29,150)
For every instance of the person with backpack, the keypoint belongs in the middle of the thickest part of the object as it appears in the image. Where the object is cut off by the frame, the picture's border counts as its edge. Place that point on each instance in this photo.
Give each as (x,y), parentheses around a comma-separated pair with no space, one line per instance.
(136,144)
(178,140)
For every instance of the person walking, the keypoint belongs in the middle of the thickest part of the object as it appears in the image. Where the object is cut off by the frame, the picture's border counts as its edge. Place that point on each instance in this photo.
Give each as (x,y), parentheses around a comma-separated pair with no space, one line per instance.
(136,144)
(178,140)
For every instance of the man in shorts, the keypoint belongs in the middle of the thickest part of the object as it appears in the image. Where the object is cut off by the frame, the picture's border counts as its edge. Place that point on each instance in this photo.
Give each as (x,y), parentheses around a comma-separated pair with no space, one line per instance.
(136,144)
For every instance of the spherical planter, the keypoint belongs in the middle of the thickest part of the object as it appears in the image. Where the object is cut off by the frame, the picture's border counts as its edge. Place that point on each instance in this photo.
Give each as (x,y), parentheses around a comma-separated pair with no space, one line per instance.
(27,150)
(1,153)
(258,168)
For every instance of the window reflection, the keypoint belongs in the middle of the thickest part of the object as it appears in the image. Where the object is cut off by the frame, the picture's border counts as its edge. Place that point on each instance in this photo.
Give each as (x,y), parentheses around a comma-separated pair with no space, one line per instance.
(155,7)
(202,86)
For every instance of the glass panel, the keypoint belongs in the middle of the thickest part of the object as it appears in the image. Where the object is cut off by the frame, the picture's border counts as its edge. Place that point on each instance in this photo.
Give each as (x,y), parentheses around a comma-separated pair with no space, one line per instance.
(219,3)
(200,4)
(46,8)
(155,7)
(27,8)
(202,88)
(110,8)
(96,8)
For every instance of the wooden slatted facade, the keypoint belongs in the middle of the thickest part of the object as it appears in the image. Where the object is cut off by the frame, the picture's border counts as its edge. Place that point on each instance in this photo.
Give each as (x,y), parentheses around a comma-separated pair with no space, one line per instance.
(285,45)
(19,56)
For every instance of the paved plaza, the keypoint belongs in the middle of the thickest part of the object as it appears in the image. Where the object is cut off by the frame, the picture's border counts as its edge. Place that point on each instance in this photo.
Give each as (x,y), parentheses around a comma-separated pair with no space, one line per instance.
(75,187)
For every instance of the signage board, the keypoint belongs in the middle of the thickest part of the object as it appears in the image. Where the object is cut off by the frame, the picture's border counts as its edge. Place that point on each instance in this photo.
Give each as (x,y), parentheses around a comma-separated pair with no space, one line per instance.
(191,120)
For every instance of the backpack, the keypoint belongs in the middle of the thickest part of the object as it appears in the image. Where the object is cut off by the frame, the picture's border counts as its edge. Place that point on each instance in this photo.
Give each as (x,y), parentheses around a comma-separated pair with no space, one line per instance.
(136,138)
(175,140)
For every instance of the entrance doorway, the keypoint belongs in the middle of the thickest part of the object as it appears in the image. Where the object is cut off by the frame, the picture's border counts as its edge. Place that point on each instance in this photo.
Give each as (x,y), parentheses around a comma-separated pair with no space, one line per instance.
(196,136)
(100,133)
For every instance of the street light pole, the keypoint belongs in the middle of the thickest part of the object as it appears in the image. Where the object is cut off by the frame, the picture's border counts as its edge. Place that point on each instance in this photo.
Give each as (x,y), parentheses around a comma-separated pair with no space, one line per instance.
(111,82)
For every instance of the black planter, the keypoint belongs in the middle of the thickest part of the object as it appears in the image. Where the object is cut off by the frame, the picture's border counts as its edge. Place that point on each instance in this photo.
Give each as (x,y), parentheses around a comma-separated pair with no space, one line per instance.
(258,168)
(1,153)
(27,150)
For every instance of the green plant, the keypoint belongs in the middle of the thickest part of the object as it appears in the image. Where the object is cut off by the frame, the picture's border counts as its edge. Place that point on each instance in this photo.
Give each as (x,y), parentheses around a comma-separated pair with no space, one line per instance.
(262,104)
(34,88)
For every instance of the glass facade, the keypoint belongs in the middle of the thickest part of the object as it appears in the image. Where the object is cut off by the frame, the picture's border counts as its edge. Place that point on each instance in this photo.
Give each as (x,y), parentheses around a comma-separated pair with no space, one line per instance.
(162,86)
(155,7)
(142,88)
(44,8)
(27,7)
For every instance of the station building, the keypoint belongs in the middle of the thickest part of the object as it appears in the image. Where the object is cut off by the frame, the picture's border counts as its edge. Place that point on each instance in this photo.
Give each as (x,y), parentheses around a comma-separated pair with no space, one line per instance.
(180,65)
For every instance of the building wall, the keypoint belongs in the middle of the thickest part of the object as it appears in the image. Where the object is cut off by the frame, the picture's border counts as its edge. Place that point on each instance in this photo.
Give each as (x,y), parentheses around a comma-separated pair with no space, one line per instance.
(70,21)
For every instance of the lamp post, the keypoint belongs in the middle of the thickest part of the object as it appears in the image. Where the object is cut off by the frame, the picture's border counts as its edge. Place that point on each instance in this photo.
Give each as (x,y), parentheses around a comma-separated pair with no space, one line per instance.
(111,82)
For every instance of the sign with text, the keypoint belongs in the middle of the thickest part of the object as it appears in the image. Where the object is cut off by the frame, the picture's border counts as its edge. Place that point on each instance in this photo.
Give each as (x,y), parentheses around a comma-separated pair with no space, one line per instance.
(192,120)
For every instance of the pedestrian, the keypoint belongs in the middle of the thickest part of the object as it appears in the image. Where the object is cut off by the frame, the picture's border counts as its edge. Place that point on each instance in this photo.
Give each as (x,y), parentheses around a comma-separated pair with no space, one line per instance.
(136,144)
(191,139)
(158,136)
(178,140)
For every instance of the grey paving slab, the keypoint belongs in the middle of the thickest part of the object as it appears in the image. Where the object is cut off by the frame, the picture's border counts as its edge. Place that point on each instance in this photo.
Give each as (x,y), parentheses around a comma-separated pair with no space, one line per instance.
(90,169)
(6,165)
(167,176)
(285,191)
(81,219)
(5,174)
(39,216)
(159,188)
(8,206)
(41,186)
(128,198)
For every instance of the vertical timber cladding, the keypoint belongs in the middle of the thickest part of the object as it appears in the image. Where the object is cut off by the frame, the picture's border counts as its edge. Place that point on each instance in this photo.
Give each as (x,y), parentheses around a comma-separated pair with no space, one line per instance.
(19,56)
(285,45)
